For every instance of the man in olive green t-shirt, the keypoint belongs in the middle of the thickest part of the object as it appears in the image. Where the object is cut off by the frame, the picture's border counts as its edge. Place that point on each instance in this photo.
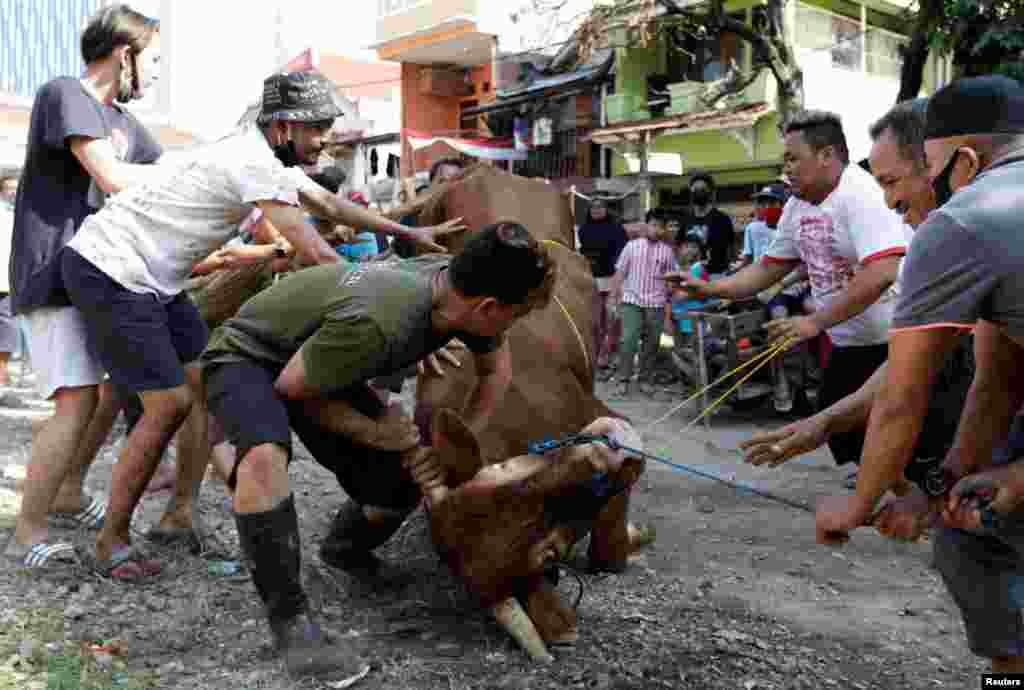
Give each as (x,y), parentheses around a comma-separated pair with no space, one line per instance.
(298,356)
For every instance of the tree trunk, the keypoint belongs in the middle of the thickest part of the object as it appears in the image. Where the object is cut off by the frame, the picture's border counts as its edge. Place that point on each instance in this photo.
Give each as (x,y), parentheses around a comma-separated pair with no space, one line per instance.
(771,48)
(915,55)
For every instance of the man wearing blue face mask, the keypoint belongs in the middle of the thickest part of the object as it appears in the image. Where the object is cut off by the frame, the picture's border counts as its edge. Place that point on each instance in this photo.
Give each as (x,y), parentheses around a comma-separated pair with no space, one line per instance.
(965,270)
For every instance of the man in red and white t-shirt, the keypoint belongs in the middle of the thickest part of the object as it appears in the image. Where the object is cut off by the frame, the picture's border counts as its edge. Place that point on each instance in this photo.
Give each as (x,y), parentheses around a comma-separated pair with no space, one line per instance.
(838,225)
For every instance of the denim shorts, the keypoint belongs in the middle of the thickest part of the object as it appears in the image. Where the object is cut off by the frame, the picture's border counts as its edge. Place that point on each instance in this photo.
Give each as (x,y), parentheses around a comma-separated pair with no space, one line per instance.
(984,572)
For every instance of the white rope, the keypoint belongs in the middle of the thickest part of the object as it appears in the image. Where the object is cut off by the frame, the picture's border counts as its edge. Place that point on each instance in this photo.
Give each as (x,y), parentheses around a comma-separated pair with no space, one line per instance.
(603,197)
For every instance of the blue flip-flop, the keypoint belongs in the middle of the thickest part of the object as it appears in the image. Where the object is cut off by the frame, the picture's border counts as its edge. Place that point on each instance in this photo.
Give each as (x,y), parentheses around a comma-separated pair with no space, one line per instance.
(45,554)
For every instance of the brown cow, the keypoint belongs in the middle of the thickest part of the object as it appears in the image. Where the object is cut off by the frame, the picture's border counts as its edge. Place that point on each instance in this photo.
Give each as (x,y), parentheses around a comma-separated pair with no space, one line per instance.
(552,392)
(501,528)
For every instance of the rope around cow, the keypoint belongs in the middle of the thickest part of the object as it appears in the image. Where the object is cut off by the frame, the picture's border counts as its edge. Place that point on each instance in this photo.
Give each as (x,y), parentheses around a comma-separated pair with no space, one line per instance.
(761,360)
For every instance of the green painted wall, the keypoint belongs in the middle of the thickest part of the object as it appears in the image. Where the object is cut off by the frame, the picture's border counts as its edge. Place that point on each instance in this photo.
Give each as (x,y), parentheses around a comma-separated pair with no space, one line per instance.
(717,150)
(633,65)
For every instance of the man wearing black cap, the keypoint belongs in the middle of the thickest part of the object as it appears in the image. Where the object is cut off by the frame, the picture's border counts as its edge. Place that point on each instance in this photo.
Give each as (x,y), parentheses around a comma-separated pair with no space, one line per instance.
(965,270)
(127,267)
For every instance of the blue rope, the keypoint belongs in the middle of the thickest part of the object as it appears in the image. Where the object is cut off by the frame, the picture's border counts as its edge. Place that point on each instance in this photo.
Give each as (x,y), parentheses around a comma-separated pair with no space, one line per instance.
(539,448)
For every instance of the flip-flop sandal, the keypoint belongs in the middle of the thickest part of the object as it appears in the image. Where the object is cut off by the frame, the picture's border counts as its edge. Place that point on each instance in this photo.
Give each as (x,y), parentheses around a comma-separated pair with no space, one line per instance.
(90,517)
(128,564)
(175,537)
(46,554)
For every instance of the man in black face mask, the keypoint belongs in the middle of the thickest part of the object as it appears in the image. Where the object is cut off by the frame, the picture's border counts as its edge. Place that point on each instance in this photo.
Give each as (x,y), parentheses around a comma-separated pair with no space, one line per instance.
(710,224)
(964,270)
(127,268)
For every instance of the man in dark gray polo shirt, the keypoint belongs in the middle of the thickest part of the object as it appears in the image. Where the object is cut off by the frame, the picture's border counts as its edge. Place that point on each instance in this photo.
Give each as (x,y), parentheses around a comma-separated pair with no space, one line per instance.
(965,270)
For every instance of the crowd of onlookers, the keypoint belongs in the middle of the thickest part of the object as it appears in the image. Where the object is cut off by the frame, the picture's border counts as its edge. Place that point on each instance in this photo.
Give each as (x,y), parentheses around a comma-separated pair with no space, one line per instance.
(920,387)
(635,308)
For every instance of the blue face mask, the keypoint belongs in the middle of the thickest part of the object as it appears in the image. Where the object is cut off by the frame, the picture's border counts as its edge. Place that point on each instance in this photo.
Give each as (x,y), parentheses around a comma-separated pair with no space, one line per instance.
(940,185)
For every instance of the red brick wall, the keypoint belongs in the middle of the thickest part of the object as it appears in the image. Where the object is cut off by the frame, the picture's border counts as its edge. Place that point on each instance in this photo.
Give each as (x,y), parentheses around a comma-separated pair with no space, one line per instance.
(434,114)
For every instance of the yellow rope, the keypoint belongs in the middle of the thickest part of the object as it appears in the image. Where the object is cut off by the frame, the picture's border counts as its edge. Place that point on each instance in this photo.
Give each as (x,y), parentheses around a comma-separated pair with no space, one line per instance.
(774,351)
(763,357)
(579,336)
(572,321)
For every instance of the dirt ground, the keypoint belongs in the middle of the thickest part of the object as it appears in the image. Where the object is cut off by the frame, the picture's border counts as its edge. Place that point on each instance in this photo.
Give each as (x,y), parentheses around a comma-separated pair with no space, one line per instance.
(733,594)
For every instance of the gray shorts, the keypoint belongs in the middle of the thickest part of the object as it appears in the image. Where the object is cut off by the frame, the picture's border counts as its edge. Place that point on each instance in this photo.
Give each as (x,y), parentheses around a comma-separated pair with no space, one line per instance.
(984,573)
(62,356)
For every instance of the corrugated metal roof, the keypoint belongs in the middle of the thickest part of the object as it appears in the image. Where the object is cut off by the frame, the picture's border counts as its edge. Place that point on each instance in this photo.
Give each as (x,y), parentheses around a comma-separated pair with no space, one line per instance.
(581,74)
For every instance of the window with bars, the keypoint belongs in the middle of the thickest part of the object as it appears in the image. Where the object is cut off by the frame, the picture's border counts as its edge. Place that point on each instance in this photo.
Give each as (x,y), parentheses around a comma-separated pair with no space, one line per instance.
(820,30)
(817,29)
(883,53)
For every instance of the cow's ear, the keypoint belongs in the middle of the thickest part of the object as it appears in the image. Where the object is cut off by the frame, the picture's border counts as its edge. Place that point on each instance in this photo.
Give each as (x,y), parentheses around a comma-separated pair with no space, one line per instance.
(457,447)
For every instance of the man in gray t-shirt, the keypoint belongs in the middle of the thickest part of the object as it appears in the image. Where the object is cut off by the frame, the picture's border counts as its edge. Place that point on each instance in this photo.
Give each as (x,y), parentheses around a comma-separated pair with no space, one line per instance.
(964,270)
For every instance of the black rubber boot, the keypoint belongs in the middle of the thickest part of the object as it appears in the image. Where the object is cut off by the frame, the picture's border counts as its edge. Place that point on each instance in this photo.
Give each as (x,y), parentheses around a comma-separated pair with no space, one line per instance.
(270,540)
(349,545)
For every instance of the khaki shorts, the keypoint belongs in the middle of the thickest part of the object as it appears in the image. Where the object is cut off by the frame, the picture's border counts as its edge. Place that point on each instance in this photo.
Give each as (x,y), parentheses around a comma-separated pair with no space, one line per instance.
(60,352)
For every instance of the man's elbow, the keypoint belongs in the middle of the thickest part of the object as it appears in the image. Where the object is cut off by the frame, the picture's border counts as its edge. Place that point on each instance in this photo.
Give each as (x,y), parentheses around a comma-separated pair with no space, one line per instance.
(111,184)
(884,271)
(289,388)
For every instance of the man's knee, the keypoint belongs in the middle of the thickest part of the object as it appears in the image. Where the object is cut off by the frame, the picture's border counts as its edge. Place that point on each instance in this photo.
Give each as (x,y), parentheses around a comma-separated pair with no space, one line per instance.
(169,406)
(194,381)
(78,402)
(262,466)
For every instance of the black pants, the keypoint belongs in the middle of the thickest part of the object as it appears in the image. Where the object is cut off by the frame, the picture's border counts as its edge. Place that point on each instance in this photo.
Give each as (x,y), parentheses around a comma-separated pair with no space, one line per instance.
(848,369)
(242,398)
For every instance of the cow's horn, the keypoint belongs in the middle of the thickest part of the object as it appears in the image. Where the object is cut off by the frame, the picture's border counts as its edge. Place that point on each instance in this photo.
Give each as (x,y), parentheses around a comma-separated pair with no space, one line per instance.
(511,616)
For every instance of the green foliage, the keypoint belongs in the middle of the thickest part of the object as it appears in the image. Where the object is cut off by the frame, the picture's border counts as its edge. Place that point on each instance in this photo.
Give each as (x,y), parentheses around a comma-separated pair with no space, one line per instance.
(65,672)
(983,36)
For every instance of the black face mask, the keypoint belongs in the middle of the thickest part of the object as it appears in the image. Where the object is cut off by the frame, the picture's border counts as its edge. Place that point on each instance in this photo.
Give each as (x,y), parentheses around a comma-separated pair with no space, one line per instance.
(940,185)
(286,154)
(701,197)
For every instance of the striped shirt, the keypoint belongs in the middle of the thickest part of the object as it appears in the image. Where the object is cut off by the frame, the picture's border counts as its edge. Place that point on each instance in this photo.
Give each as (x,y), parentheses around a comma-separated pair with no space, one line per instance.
(643,263)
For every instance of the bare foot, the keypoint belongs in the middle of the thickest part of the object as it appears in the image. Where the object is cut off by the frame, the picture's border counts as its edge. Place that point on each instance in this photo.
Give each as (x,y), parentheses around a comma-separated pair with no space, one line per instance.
(19,544)
(70,500)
